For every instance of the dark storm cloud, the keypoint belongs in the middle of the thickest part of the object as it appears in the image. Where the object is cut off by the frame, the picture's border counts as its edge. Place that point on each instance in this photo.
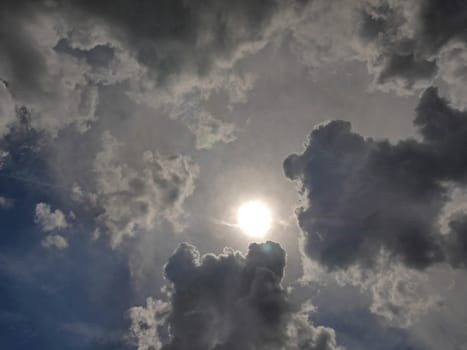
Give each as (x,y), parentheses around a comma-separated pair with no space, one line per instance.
(457,241)
(405,39)
(168,35)
(366,197)
(230,301)
(406,45)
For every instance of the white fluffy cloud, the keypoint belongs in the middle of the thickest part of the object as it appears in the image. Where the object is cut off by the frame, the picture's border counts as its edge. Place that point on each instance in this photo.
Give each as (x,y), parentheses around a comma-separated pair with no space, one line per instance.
(55,241)
(144,323)
(49,220)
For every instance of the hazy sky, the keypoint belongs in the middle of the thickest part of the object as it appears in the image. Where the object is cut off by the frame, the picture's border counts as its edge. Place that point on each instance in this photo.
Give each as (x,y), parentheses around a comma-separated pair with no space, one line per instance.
(131,132)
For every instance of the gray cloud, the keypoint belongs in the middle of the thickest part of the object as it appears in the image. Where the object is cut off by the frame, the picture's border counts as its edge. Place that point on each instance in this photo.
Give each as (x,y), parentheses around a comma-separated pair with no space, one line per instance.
(145,321)
(160,52)
(7,109)
(63,51)
(6,203)
(55,241)
(368,197)
(49,220)
(202,33)
(405,45)
(207,129)
(229,301)
(130,198)
(457,239)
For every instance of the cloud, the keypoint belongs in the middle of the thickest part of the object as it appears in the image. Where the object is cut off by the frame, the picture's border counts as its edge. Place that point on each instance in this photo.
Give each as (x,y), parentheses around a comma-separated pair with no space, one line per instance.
(457,239)
(49,220)
(145,322)
(205,36)
(231,301)
(6,203)
(7,109)
(130,198)
(207,129)
(401,296)
(367,197)
(407,46)
(55,241)
(53,87)
(301,335)
(62,53)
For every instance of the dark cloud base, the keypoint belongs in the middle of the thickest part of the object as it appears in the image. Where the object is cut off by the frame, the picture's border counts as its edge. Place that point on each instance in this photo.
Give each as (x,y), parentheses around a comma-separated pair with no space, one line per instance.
(168,36)
(366,197)
(402,58)
(231,301)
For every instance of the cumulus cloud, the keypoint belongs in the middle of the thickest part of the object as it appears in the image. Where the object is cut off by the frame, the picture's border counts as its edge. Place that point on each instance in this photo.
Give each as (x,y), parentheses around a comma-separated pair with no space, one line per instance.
(55,241)
(231,301)
(49,220)
(406,45)
(137,198)
(368,197)
(145,321)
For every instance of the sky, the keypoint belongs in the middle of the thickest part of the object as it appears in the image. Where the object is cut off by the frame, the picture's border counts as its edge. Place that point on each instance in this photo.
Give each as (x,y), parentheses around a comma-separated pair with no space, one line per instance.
(132,132)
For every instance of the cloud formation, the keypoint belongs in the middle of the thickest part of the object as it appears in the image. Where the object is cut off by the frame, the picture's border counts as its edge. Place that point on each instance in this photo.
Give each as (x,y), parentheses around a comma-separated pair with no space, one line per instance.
(145,321)
(231,301)
(160,53)
(368,197)
(49,220)
(405,45)
(130,198)
(55,88)
(55,241)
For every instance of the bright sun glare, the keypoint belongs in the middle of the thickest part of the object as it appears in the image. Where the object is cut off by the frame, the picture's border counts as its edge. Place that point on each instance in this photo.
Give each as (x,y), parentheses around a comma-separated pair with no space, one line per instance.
(254,218)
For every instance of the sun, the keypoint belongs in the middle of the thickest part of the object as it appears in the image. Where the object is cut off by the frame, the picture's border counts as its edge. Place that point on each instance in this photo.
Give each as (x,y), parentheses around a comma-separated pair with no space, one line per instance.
(254,218)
